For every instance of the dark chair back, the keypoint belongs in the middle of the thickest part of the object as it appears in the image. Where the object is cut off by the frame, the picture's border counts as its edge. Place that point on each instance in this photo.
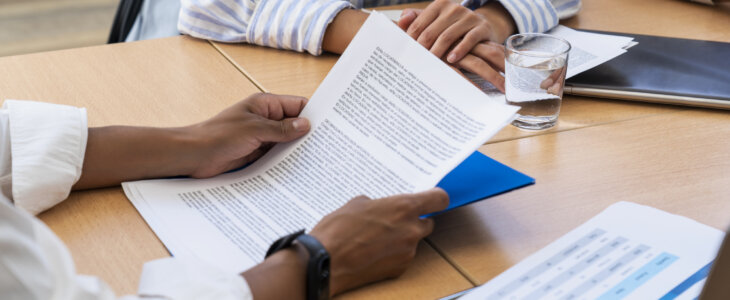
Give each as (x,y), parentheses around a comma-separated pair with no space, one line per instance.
(123,20)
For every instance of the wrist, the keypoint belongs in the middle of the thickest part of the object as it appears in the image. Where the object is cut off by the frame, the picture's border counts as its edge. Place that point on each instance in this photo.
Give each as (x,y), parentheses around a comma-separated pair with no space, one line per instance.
(187,149)
(501,21)
(281,276)
(342,30)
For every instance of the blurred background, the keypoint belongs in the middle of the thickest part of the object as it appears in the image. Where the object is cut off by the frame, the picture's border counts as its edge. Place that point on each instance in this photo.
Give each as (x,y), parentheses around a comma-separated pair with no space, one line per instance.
(28,26)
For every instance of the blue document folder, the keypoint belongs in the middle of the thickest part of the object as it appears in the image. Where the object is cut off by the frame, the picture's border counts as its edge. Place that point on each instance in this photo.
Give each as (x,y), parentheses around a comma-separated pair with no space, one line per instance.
(479,177)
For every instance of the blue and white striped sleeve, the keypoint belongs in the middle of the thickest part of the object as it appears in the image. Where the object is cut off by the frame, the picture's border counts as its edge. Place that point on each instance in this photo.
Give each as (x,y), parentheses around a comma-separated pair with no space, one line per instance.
(285,24)
(534,15)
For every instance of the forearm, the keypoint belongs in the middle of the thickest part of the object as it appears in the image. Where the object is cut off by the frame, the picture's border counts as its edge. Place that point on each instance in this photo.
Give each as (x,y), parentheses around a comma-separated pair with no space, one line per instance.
(121,153)
(500,19)
(342,30)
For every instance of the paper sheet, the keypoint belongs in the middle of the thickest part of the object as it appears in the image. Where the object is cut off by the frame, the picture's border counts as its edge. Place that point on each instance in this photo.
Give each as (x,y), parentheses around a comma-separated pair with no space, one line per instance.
(628,251)
(389,118)
(590,49)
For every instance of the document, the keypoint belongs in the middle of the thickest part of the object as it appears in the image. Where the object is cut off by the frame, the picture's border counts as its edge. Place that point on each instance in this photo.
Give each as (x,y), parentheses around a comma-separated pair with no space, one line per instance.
(628,251)
(389,118)
(590,49)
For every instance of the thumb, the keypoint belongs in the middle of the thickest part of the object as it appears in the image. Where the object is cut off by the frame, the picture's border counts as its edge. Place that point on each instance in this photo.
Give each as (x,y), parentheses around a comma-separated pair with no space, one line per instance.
(282,131)
(407,17)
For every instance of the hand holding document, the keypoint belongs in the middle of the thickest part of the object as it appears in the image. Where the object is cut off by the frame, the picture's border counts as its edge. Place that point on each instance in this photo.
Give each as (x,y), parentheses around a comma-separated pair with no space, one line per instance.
(628,251)
(389,118)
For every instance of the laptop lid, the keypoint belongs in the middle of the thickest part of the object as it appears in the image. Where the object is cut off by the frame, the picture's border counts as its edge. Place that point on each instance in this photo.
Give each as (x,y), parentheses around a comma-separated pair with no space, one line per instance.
(663,70)
(717,286)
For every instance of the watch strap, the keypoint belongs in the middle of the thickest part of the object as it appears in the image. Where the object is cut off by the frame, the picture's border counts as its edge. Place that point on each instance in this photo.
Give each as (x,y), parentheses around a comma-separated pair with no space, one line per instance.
(318,268)
(283,242)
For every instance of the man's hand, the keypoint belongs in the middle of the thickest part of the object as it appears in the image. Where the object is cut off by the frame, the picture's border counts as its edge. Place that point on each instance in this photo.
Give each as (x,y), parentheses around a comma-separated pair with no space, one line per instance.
(371,240)
(368,240)
(233,138)
(245,131)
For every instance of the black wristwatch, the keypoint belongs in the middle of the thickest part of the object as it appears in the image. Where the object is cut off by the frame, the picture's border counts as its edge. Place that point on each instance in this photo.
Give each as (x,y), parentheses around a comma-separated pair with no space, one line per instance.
(318,267)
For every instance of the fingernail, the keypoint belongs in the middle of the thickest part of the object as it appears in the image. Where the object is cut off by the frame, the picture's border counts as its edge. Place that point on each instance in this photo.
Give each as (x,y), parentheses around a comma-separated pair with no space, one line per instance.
(451,58)
(300,124)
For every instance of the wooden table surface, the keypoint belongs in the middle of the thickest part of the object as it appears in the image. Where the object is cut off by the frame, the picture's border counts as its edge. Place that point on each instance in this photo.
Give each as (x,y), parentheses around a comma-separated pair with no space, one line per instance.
(167,82)
(678,162)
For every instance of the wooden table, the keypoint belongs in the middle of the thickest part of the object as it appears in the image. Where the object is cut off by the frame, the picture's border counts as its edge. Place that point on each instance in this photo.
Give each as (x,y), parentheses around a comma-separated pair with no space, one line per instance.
(602,151)
(672,158)
(168,82)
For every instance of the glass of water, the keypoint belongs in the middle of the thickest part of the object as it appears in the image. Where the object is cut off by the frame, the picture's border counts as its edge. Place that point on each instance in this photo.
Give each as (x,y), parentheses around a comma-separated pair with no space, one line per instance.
(535,70)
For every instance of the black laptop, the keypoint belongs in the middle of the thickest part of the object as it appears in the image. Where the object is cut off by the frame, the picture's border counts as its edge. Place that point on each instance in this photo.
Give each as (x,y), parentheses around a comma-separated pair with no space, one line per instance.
(661,70)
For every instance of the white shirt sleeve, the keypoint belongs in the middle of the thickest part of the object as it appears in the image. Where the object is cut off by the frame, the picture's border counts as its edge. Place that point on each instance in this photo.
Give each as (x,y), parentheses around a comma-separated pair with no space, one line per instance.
(41,154)
(47,142)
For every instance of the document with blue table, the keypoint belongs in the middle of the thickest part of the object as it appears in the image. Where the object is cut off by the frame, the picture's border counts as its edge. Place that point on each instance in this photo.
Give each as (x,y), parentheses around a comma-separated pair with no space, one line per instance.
(629,251)
(389,118)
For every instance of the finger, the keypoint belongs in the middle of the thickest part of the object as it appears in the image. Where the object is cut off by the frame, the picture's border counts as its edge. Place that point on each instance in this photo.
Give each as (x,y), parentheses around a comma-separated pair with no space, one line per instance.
(550,80)
(433,31)
(281,131)
(407,17)
(276,107)
(449,37)
(423,20)
(492,53)
(470,41)
(430,201)
(478,66)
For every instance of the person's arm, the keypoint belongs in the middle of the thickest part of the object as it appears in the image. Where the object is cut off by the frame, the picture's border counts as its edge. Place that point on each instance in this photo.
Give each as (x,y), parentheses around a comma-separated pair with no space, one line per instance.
(236,136)
(283,24)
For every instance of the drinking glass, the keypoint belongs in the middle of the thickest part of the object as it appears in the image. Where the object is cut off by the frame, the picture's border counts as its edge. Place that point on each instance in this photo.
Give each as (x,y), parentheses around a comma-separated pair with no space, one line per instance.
(535,70)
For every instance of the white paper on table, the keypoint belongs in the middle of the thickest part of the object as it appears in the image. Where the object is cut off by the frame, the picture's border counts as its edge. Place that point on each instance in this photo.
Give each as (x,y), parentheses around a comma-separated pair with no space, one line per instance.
(590,49)
(628,251)
(389,118)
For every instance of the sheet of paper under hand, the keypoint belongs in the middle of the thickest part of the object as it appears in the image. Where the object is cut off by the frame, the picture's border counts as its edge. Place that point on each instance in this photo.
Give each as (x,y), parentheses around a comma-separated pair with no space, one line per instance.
(389,118)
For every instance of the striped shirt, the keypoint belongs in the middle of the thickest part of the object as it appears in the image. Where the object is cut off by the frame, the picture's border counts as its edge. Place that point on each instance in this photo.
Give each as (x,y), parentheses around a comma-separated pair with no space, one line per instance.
(300,24)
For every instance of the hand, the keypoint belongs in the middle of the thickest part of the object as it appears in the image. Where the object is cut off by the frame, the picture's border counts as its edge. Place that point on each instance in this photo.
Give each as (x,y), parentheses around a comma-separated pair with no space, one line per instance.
(486,60)
(367,240)
(245,131)
(371,240)
(554,82)
(445,25)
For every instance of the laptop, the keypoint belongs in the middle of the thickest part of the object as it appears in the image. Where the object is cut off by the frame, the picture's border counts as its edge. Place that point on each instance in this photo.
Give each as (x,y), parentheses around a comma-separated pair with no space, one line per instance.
(717,285)
(661,70)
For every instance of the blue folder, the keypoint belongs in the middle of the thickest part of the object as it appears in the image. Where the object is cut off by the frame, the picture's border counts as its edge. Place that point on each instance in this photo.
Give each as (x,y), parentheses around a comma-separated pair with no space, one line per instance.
(480,177)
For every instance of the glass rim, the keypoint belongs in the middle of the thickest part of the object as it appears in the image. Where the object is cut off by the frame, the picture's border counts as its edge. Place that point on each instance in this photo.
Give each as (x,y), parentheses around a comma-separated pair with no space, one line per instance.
(508,46)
